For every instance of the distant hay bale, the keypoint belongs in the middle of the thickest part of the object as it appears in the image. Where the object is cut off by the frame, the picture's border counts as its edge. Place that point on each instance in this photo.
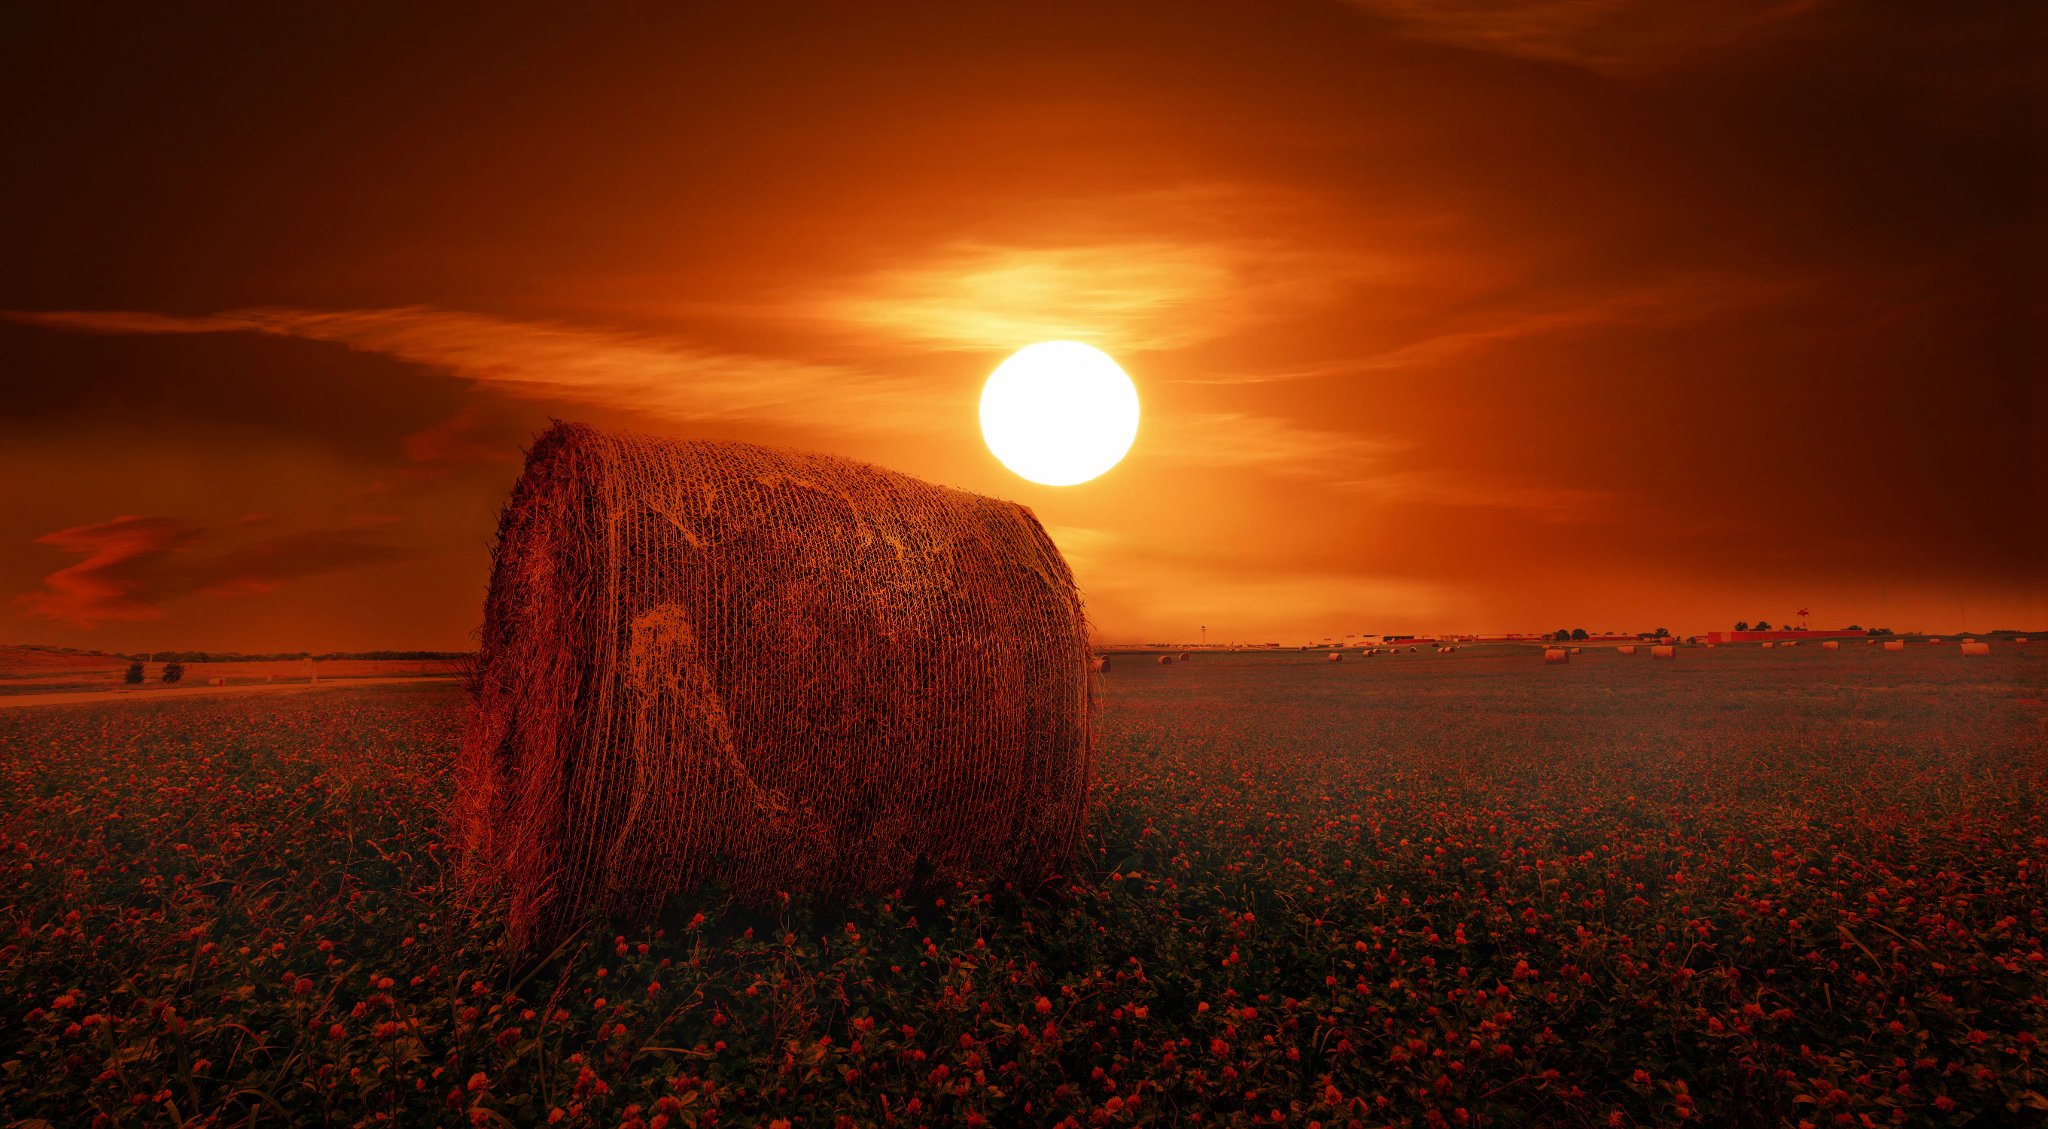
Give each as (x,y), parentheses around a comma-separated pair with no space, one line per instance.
(1166,660)
(650,712)
(2019,638)
(1336,656)
(1556,655)
(1969,639)
(216,682)
(1575,650)
(1976,648)
(1625,649)
(1767,645)
(1183,656)
(1895,644)
(1831,645)
(1663,651)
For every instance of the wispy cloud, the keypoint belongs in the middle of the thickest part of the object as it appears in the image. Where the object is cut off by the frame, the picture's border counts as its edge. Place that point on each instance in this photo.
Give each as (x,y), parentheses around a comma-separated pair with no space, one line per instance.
(650,375)
(1565,505)
(1611,36)
(130,565)
(678,382)
(1677,302)
(1278,446)
(1122,296)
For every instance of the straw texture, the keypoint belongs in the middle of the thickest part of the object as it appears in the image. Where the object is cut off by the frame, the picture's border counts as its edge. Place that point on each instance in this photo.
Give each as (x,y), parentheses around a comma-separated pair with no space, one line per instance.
(772,670)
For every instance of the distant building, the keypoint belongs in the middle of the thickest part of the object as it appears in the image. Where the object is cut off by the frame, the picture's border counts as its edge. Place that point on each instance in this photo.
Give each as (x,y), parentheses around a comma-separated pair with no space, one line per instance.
(1775,636)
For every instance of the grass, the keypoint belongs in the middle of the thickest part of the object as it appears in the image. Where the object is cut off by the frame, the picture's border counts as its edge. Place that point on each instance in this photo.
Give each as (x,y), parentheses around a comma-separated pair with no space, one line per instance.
(1741,888)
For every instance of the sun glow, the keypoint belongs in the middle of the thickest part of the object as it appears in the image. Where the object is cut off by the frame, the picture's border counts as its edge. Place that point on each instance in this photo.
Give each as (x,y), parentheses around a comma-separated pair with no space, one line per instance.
(1059,412)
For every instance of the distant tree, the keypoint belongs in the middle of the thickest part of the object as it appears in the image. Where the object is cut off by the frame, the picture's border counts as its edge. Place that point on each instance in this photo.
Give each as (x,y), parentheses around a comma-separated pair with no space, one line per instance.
(134,674)
(1578,633)
(1852,627)
(1742,625)
(173,673)
(1763,625)
(1663,633)
(1562,636)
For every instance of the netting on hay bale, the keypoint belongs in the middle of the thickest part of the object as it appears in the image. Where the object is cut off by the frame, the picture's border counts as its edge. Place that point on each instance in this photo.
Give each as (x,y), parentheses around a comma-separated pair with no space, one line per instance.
(651,711)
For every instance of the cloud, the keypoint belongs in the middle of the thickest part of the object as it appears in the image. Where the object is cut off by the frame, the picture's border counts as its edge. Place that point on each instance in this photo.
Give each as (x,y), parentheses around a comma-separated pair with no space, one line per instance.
(1277,446)
(1121,296)
(678,382)
(1564,505)
(655,376)
(117,577)
(1682,301)
(463,439)
(1611,36)
(131,565)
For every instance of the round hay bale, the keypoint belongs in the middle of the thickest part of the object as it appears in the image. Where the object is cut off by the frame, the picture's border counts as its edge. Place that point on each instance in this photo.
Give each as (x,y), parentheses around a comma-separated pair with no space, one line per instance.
(1831,645)
(1166,660)
(1575,650)
(1336,656)
(1663,651)
(1976,648)
(1625,649)
(1895,644)
(2019,638)
(1556,655)
(649,712)
(1183,656)
(1767,644)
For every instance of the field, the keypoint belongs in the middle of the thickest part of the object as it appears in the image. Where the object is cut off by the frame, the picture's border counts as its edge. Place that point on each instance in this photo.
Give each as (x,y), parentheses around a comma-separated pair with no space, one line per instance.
(1742,888)
(26,671)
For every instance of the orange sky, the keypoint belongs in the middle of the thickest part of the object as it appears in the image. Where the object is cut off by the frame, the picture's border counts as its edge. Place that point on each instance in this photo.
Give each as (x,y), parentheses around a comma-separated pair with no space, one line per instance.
(1476,315)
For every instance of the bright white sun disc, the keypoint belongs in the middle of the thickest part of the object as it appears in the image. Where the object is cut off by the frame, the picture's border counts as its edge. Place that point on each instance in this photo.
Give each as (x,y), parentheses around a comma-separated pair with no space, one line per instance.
(1059,412)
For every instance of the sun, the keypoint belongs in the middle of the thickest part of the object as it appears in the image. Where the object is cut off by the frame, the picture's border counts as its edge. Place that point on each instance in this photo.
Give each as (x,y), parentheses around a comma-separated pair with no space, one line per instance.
(1059,412)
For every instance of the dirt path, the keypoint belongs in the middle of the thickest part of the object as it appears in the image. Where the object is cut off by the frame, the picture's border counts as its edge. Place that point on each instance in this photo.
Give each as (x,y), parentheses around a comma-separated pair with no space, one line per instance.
(90,697)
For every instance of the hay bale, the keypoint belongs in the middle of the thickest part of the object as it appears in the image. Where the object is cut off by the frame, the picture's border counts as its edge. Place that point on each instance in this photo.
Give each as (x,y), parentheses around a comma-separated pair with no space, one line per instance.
(1575,650)
(2019,638)
(1183,656)
(1767,645)
(216,681)
(1663,651)
(1625,649)
(1556,655)
(1976,648)
(1895,644)
(1831,645)
(649,709)
(1166,660)
(1336,656)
